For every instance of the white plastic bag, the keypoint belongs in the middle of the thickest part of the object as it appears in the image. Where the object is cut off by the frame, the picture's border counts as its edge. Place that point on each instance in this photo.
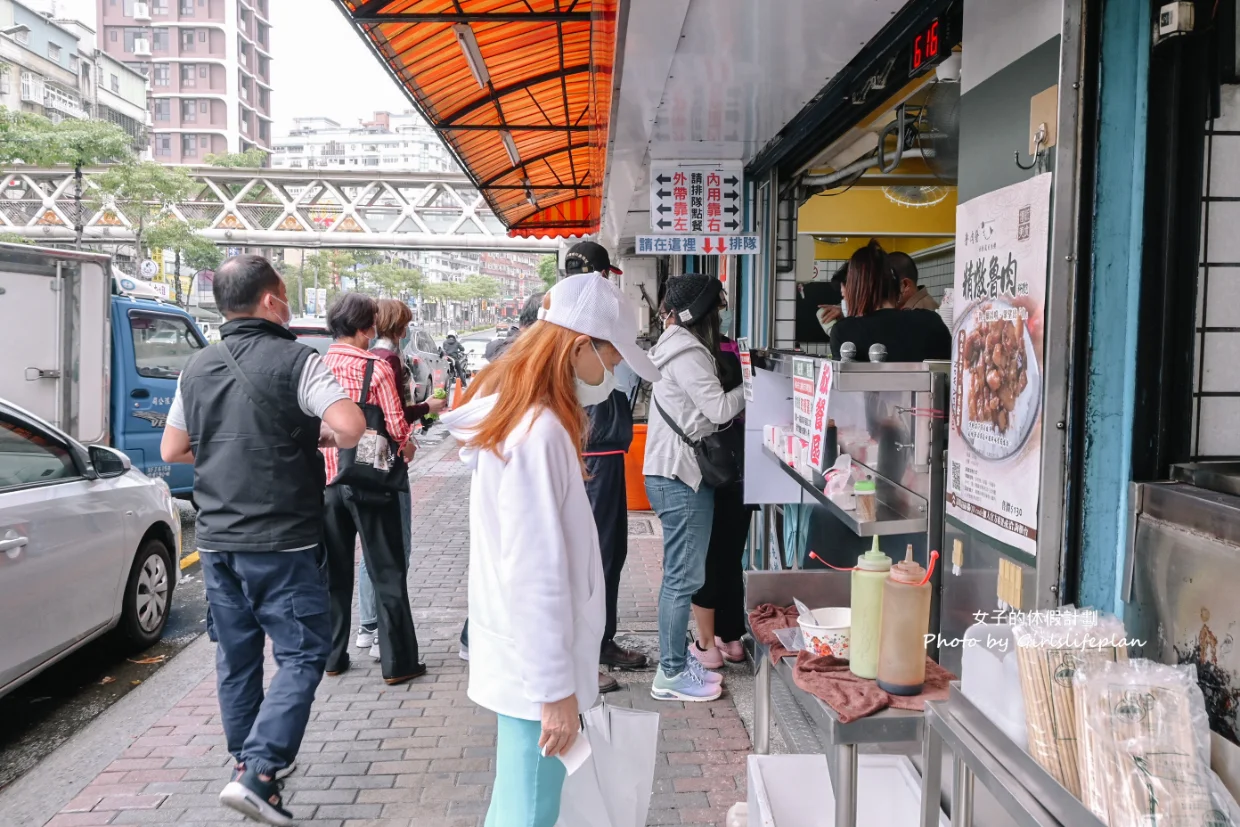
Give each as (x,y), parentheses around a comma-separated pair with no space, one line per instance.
(839,488)
(612,787)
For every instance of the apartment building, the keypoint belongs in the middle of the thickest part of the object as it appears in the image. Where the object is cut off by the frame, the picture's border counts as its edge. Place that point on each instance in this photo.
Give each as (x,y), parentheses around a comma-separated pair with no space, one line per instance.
(517,273)
(209,67)
(52,67)
(393,141)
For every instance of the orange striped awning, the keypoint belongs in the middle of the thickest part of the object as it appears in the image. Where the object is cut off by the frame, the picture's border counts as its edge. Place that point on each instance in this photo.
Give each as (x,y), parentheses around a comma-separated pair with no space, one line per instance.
(519,89)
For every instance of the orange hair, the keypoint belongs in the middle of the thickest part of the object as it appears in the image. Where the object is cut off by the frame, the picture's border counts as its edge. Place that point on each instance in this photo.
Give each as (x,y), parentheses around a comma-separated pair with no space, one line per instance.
(392,319)
(536,373)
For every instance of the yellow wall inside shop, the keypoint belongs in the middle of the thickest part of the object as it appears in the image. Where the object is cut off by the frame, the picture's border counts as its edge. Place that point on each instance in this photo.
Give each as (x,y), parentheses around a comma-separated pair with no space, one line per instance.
(867,212)
(892,244)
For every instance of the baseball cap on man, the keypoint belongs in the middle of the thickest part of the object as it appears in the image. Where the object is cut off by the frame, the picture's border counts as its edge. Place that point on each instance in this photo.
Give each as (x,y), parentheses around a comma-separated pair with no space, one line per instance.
(588,257)
(591,305)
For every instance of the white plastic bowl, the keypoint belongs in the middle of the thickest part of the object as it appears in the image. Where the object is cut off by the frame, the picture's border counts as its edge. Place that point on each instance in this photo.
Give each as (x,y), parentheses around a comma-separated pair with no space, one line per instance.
(829,634)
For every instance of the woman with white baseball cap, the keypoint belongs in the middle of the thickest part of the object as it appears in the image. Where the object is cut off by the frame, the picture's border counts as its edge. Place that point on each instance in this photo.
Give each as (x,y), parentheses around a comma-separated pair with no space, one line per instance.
(536,588)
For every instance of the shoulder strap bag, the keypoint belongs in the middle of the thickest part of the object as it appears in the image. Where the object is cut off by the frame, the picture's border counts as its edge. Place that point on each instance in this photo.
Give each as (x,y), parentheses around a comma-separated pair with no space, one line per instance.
(717,455)
(374,465)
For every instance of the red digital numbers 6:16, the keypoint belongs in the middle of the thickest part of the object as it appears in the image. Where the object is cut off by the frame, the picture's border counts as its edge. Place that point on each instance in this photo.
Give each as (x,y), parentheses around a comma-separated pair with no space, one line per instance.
(932,40)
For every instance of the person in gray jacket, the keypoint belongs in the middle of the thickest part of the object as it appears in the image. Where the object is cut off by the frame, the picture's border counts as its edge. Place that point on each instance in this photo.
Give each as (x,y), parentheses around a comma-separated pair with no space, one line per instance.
(691,395)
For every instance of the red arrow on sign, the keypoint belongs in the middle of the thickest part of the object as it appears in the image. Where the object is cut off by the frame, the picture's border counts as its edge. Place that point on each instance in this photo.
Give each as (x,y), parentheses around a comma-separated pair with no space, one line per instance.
(706,246)
(722,246)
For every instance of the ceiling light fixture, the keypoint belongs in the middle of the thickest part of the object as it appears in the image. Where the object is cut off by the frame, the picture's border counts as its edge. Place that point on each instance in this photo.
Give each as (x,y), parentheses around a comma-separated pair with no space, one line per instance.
(473,55)
(511,146)
(529,193)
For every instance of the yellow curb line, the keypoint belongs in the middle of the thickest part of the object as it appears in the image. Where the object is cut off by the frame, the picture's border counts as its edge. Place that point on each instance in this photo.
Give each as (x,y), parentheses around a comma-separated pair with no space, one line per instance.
(189,560)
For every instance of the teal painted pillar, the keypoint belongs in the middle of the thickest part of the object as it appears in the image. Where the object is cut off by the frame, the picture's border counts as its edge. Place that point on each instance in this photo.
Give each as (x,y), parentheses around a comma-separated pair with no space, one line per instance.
(1111,381)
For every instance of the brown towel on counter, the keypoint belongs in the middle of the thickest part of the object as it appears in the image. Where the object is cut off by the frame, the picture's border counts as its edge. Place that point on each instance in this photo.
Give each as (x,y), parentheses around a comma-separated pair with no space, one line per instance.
(765,619)
(853,697)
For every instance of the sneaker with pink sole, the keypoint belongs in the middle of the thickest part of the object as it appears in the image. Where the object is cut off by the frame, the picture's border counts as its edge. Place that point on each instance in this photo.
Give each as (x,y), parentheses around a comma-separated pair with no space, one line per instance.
(711,658)
(733,650)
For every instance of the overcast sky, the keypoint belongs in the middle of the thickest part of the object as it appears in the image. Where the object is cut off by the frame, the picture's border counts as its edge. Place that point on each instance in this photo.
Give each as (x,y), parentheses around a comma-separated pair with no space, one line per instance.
(321,66)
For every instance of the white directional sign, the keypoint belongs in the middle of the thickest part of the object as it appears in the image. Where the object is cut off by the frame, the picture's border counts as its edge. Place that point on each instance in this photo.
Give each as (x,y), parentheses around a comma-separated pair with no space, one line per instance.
(694,245)
(695,197)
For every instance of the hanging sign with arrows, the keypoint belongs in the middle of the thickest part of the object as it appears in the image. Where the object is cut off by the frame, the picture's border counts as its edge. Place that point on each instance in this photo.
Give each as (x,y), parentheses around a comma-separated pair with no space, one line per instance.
(695,197)
(696,245)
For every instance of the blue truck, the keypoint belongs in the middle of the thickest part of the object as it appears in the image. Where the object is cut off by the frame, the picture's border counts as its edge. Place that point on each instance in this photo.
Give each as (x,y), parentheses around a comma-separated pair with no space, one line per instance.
(94,351)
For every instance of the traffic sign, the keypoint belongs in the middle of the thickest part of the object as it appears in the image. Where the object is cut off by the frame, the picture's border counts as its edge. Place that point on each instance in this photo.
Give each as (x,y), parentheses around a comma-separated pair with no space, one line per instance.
(692,245)
(696,196)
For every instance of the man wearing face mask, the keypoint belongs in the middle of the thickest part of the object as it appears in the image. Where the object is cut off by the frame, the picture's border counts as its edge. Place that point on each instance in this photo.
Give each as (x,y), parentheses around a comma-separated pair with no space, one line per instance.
(608,439)
(250,414)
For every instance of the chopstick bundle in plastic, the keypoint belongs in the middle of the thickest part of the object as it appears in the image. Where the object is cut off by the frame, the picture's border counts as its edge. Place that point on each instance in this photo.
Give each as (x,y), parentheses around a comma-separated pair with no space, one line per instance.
(1145,750)
(1051,648)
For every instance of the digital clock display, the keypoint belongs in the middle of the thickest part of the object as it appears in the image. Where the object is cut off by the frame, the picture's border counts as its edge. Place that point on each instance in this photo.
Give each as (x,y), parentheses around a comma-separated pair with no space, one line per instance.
(927,47)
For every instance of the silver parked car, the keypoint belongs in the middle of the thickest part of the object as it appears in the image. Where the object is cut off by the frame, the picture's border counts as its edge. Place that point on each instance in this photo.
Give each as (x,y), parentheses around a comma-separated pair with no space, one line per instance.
(427,364)
(87,545)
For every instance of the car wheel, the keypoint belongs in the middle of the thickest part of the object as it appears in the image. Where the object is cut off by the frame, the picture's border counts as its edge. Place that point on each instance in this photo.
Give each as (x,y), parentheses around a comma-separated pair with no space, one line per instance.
(148,595)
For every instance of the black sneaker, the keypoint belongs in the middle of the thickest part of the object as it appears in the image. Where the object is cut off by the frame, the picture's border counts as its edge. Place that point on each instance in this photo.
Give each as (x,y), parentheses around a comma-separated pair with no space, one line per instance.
(257,799)
(239,770)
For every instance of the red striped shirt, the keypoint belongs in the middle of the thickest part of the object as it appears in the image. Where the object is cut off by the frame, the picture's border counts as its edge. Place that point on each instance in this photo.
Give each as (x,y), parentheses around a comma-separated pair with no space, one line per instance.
(348,365)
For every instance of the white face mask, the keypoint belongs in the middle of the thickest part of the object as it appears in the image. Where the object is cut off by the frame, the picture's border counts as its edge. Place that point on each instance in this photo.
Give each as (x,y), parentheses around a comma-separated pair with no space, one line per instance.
(590,395)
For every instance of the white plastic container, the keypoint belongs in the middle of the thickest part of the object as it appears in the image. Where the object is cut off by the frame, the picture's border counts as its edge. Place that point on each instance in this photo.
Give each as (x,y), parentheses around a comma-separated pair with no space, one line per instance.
(990,678)
(829,634)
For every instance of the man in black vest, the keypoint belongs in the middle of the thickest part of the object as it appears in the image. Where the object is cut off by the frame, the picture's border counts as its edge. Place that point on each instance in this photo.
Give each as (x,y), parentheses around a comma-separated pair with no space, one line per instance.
(250,414)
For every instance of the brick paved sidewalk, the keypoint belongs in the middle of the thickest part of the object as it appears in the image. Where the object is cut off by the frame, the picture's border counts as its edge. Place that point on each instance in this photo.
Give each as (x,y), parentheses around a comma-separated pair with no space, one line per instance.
(420,754)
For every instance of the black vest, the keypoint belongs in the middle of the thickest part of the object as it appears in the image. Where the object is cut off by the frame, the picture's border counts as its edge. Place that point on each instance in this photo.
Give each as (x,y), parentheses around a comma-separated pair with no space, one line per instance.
(257,487)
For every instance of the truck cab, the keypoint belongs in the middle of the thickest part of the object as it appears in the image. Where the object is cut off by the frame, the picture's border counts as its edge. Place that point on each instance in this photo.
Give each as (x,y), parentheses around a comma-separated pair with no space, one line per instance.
(151,343)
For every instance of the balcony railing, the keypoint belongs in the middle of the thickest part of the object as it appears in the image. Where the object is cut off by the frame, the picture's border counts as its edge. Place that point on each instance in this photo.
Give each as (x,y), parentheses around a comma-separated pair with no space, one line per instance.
(60,101)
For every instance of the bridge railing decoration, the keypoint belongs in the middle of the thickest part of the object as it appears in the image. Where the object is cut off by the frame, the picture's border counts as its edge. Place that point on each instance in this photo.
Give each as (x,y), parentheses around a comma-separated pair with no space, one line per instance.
(282,208)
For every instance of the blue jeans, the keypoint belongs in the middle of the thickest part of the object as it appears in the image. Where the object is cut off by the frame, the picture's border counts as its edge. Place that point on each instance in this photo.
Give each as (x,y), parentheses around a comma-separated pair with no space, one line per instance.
(686,516)
(527,786)
(367,611)
(252,596)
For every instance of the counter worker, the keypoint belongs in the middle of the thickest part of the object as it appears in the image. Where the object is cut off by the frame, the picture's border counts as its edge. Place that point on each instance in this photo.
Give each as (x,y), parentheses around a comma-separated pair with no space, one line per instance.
(608,438)
(912,297)
(871,315)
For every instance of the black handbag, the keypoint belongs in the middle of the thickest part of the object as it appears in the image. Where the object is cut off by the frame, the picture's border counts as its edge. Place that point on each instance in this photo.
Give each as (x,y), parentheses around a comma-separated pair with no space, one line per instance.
(718,455)
(373,466)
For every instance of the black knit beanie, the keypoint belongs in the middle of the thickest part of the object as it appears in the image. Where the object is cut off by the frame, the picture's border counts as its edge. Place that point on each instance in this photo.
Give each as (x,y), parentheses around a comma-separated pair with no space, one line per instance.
(691,297)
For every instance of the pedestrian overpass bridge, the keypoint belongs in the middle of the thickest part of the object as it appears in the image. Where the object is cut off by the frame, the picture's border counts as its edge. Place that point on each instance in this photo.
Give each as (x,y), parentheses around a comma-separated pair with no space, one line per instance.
(277,208)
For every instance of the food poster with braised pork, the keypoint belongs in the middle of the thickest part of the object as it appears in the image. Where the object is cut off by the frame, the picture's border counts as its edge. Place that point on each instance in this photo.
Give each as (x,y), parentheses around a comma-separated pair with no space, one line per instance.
(995,444)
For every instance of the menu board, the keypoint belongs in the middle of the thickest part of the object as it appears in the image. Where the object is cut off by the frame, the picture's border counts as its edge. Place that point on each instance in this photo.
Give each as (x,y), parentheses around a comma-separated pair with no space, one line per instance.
(742,345)
(803,376)
(995,439)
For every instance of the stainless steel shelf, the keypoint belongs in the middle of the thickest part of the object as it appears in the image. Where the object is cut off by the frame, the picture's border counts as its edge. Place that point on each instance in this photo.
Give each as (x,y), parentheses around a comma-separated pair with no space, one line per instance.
(1022,788)
(891,520)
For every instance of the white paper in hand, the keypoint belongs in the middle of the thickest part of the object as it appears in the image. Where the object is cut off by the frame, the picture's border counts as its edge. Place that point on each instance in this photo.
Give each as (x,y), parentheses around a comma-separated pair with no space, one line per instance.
(577,753)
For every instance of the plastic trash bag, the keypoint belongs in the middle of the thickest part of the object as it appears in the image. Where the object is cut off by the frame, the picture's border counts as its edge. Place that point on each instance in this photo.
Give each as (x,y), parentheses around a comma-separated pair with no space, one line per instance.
(612,787)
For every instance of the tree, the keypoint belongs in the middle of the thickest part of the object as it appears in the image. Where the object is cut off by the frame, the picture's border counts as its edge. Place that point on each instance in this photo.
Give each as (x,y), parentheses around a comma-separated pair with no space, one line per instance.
(393,280)
(35,140)
(143,191)
(171,233)
(14,238)
(481,287)
(549,270)
(253,158)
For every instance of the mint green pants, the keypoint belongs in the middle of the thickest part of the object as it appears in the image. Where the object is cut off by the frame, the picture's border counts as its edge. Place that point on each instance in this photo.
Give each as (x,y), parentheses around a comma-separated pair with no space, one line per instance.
(527,786)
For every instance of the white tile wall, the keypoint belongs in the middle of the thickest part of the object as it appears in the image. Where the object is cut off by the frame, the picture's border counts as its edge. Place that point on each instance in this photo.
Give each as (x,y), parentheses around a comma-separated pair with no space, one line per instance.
(1216,376)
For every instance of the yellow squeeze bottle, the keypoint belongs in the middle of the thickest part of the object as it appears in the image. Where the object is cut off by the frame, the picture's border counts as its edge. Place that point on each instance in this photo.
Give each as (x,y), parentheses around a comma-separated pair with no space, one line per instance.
(873,569)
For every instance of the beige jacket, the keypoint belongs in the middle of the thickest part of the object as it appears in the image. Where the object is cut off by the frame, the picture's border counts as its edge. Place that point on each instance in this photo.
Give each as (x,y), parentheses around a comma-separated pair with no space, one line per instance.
(921,300)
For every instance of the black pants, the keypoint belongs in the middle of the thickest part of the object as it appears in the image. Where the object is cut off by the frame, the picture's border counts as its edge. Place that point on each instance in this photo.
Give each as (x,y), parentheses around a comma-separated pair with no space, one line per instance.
(609,502)
(724,589)
(383,551)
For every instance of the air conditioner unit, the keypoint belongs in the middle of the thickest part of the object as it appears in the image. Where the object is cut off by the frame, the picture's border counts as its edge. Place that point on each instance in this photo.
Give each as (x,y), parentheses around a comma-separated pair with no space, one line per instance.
(141,47)
(142,12)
